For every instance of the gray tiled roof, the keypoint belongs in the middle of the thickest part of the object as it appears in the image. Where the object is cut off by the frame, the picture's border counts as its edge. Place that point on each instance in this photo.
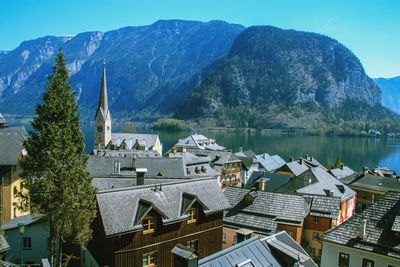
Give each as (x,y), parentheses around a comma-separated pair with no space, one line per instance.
(317,181)
(379,237)
(130,139)
(118,207)
(324,206)
(199,141)
(282,208)
(257,222)
(270,163)
(282,243)
(104,166)
(162,166)
(372,182)
(129,181)
(276,250)
(252,249)
(217,157)
(342,172)
(296,167)
(11,145)
(189,158)
(25,219)
(131,154)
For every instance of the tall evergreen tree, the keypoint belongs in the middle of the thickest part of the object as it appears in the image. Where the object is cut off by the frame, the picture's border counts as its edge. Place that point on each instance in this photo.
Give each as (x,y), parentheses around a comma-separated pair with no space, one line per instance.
(54,172)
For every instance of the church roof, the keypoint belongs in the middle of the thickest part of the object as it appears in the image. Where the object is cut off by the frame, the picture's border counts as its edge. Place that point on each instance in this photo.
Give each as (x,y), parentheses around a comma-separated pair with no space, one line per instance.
(103,101)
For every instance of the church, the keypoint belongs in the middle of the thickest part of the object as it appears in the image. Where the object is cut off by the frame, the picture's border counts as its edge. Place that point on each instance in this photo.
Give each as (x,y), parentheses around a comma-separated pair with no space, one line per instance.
(106,141)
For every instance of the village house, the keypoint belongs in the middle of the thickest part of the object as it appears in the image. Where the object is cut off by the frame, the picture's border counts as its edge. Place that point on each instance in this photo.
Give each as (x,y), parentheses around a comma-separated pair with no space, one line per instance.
(28,238)
(196,141)
(116,172)
(276,250)
(371,185)
(11,154)
(369,239)
(341,171)
(139,226)
(269,163)
(262,213)
(195,166)
(105,139)
(250,163)
(316,181)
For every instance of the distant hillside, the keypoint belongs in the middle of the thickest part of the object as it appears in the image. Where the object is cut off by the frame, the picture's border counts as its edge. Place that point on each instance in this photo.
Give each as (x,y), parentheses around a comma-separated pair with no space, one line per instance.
(390,92)
(145,66)
(274,78)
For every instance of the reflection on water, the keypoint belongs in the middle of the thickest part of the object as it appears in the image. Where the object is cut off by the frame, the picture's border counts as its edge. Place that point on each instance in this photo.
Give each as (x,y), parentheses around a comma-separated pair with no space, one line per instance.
(355,152)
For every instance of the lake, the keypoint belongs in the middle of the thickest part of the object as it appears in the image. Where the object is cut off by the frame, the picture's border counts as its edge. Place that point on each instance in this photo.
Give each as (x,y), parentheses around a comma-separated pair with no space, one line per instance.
(356,152)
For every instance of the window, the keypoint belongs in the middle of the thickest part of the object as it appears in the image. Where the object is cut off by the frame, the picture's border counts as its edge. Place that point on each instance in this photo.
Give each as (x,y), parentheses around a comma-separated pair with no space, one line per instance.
(27,243)
(194,245)
(192,213)
(99,128)
(311,251)
(344,260)
(224,238)
(149,260)
(234,239)
(315,236)
(15,191)
(149,225)
(316,220)
(108,128)
(367,263)
(5,180)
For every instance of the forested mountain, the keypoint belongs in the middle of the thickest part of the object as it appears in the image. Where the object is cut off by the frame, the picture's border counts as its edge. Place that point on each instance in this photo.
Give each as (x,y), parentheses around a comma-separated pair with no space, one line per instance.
(274,78)
(390,92)
(145,66)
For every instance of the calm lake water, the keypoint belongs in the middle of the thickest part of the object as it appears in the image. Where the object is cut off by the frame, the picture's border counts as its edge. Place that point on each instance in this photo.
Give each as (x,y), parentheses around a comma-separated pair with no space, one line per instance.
(355,152)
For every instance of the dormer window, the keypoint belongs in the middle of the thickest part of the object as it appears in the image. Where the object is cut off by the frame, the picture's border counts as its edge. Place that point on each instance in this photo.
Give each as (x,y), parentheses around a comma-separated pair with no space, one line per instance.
(149,225)
(192,215)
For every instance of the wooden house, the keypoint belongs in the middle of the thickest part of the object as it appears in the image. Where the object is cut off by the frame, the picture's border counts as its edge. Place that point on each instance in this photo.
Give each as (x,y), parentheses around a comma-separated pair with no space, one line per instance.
(139,226)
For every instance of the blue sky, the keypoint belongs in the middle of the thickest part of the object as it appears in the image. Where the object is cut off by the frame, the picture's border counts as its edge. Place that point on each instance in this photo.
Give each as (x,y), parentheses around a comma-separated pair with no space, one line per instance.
(370,28)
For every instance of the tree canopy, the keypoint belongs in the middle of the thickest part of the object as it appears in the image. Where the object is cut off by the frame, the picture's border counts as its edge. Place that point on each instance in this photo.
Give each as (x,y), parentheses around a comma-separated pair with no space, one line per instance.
(54,171)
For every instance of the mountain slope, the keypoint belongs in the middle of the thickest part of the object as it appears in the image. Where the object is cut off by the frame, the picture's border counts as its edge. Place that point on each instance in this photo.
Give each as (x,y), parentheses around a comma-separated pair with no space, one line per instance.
(144,65)
(390,92)
(283,78)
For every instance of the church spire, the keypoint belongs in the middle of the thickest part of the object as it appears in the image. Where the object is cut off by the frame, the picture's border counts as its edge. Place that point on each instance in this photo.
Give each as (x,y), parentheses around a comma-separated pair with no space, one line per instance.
(103,102)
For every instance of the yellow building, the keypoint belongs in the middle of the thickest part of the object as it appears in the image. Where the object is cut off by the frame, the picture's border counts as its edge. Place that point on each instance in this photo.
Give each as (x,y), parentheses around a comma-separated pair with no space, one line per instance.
(11,153)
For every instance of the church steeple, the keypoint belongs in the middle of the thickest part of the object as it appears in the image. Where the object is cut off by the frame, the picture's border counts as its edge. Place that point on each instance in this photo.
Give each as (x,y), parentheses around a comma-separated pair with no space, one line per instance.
(103,102)
(102,132)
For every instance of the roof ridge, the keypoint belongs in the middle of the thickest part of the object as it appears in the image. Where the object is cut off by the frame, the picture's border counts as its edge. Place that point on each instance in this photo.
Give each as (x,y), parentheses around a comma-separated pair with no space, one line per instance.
(152,185)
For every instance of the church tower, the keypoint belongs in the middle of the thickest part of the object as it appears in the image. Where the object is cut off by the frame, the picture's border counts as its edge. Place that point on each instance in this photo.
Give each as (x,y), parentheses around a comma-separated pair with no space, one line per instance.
(102,131)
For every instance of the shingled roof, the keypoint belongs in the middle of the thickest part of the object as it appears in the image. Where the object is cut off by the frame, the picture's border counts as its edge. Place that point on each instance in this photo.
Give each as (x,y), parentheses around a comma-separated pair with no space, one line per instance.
(372,182)
(317,181)
(380,238)
(270,163)
(130,139)
(162,166)
(11,145)
(265,211)
(324,206)
(118,208)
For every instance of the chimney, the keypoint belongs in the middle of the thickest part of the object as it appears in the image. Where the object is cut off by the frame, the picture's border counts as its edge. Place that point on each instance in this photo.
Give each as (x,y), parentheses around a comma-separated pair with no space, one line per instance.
(363,229)
(301,161)
(184,149)
(243,234)
(365,170)
(240,149)
(290,159)
(140,172)
(184,256)
(341,166)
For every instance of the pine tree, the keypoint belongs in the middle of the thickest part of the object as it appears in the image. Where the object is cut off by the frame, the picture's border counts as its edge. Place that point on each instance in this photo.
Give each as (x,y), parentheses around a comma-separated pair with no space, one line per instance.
(54,172)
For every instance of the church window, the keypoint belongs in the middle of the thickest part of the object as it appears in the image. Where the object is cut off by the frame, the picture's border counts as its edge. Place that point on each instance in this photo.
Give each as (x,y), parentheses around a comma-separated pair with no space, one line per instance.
(99,128)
